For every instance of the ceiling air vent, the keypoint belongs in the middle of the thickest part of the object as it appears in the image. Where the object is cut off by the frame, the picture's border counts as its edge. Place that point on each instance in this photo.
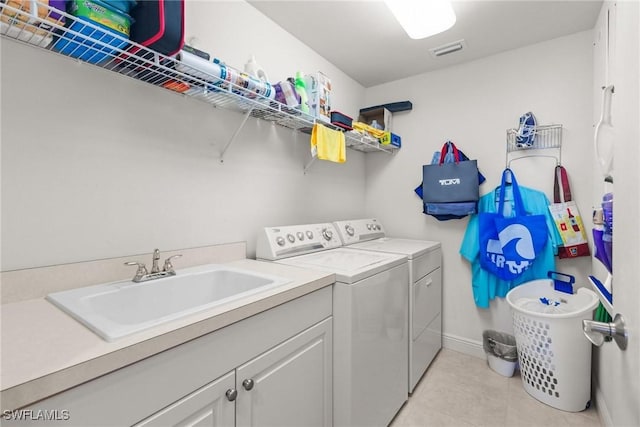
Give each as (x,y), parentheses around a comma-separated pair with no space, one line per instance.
(448,48)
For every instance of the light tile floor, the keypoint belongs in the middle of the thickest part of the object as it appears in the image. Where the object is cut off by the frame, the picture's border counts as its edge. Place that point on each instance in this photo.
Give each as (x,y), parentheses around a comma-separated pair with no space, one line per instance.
(459,390)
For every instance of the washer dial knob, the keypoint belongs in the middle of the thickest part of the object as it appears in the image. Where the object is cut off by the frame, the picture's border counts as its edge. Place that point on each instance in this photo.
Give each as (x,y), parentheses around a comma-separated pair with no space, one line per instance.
(309,234)
(280,241)
(327,234)
(300,235)
(349,229)
(291,238)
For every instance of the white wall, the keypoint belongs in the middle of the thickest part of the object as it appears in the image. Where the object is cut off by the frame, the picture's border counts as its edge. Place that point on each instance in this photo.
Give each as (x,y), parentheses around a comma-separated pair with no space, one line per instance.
(473,104)
(98,165)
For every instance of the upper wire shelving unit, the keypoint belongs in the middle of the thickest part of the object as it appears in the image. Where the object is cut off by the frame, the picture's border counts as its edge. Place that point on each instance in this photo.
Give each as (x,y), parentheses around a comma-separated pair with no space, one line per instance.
(92,42)
(547,137)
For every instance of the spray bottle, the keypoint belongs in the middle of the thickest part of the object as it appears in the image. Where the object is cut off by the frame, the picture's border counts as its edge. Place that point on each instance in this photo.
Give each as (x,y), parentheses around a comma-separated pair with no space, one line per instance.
(301,89)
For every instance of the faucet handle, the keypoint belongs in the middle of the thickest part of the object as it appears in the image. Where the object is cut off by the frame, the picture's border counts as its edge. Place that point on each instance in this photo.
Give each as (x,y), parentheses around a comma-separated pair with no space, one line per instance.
(142,269)
(168,266)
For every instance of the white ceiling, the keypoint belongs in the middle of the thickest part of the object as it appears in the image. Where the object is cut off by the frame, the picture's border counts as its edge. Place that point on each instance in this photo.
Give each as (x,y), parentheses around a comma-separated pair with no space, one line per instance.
(365,41)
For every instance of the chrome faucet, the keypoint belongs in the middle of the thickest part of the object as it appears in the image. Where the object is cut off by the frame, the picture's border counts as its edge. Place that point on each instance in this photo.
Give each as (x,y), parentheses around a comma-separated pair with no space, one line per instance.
(156,258)
(143,275)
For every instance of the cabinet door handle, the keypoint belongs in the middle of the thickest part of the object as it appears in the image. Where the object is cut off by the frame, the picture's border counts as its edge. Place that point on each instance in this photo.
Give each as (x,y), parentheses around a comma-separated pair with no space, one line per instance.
(232,393)
(429,282)
(248,384)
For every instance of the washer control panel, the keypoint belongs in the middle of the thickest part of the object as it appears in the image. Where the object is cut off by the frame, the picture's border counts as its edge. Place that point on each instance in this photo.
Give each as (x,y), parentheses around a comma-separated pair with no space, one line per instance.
(359,230)
(292,240)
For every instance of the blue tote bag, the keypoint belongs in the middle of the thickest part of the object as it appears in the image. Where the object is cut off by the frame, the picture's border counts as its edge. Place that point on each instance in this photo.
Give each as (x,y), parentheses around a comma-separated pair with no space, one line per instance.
(510,245)
(451,210)
(452,182)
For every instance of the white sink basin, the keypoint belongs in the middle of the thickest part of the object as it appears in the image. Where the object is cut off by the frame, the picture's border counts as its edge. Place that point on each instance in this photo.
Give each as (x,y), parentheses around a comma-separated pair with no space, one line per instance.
(117,309)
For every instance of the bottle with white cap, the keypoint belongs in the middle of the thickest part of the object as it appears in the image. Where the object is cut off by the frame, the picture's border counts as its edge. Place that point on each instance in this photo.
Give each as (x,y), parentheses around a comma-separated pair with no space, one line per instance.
(253,69)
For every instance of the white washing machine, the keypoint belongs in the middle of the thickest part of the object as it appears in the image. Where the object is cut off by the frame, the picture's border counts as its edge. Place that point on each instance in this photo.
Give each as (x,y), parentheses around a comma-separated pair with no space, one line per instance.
(370,318)
(425,283)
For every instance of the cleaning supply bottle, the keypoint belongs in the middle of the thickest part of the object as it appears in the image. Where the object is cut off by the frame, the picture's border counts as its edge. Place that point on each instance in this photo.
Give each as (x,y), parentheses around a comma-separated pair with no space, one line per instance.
(253,69)
(301,89)
(607,236)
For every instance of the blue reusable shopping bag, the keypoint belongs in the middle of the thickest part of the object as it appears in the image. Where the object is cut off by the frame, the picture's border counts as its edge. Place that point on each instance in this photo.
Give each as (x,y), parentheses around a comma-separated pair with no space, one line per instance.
(455,182)
(453,210)
(510,245)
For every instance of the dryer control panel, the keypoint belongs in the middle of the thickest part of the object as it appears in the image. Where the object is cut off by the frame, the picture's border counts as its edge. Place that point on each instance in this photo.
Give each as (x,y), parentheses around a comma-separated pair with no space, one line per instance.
(359,230)
(292,240)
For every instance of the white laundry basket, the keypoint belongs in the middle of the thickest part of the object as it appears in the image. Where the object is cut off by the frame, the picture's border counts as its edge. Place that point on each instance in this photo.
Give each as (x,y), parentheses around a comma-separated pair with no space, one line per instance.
(554,354)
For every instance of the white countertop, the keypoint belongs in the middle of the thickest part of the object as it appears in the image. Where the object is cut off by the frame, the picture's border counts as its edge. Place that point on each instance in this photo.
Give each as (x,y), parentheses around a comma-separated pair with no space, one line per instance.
(45,351)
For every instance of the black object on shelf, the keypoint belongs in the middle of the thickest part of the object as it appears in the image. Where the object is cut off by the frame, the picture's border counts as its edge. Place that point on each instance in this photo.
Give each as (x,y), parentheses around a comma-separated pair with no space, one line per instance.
(341,120)
(159,25)
(393,107)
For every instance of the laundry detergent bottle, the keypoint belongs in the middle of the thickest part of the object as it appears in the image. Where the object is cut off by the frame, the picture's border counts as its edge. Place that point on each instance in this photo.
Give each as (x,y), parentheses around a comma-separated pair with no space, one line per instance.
(253,69)
(301,90)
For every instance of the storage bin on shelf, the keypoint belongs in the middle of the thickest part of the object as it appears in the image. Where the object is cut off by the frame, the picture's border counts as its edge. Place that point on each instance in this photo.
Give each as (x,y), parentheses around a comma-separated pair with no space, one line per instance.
(31,21)
(20,12)
(554,355)
(159,26)
(341,120)
(98,31)
(390,138)
(122,5)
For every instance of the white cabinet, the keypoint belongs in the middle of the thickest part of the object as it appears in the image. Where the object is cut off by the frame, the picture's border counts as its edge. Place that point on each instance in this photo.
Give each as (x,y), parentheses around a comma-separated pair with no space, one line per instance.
(286,352)
(211,405)
(289,385)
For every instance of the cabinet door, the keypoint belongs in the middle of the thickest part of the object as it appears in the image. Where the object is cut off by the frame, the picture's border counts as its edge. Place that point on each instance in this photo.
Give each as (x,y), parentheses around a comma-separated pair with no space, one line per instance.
(211,405)
(289,385)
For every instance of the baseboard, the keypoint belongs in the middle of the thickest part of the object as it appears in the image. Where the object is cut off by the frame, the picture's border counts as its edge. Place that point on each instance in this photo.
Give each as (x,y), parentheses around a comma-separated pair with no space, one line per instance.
(601,406)
(463,345)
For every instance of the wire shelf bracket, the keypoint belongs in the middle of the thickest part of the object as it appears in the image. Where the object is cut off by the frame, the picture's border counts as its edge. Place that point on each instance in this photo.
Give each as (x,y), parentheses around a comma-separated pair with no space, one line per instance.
(235,134)
(309,163)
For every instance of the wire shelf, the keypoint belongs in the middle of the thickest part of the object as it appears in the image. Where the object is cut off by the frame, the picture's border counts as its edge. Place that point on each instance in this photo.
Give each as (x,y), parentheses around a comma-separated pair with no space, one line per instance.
(58,32)
(546,137)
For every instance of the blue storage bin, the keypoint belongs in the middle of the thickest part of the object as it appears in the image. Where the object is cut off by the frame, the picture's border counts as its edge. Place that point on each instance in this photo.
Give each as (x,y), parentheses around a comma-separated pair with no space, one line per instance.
(122,5)
(94,45)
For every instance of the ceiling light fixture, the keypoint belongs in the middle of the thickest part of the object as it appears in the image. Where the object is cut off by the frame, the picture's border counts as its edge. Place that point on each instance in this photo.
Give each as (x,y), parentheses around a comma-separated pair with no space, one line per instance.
(423,18)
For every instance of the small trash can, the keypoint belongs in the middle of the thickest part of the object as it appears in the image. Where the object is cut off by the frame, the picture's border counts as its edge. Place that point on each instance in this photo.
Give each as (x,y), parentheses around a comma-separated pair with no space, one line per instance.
(555,357)
(502,353)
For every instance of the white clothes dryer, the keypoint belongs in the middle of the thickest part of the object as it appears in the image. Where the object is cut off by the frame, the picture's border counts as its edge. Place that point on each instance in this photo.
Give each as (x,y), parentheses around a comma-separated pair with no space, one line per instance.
(425,283)
(370,318)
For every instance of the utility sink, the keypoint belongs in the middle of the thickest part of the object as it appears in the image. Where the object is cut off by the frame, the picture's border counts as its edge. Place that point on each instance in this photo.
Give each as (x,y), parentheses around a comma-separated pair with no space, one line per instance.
(117,309)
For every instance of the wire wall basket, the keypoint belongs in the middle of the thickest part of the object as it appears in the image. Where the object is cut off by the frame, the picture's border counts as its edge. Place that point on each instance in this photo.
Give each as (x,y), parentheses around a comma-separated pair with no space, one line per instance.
(546,137)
